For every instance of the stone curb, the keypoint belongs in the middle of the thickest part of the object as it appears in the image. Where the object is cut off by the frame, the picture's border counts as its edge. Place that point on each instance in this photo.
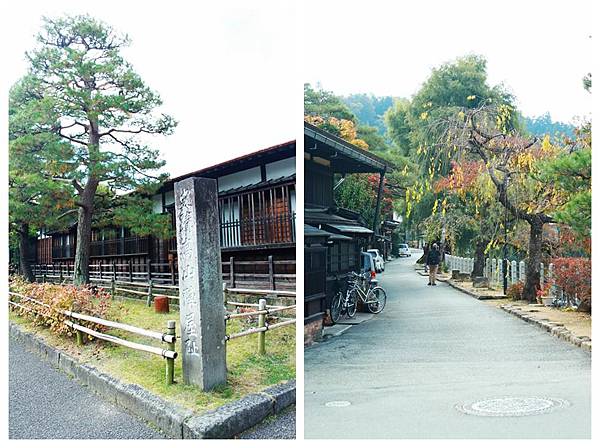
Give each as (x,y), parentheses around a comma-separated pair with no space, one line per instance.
(174,420)
(471,293)
(554,328)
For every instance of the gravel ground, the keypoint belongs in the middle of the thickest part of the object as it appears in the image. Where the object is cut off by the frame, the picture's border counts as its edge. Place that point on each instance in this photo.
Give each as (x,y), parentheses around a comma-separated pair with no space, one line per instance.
(281,427)
(44,403)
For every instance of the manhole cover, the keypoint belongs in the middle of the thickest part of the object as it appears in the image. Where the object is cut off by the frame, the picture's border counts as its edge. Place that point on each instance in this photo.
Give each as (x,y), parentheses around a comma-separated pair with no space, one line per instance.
(512,406)
(337,404)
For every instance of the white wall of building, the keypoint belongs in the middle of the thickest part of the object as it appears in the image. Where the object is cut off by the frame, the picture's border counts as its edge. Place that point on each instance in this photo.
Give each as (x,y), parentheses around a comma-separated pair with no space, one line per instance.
(281,168)
(240,179)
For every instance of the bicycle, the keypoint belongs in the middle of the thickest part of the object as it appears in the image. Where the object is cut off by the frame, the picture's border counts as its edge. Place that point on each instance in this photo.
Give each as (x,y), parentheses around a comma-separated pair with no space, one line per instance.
(374,297)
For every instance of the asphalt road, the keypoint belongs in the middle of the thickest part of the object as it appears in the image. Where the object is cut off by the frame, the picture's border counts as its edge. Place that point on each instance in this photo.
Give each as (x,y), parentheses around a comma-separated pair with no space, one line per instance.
(432,349)
(282,426)
(44,403)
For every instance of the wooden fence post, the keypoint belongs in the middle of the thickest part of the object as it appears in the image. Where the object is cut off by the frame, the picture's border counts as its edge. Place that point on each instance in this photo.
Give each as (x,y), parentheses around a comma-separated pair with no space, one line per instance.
(114,271)
(149,300)
(231,273)
(130,270)
(79,336)
(170,346)
(172,270)
(100,268)
(262,305)
(271,273)
(60,272)
(149,270)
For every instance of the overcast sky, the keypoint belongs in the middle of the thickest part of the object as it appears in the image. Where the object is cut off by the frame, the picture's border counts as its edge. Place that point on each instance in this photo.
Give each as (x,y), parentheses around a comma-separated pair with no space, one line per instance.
(539,49)
(225,70)
(229,71)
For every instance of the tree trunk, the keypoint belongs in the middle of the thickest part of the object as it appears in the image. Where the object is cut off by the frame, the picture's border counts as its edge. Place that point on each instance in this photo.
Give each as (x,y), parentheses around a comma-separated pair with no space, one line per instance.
(479,262)
(532,281)
(81,268)
(24,252)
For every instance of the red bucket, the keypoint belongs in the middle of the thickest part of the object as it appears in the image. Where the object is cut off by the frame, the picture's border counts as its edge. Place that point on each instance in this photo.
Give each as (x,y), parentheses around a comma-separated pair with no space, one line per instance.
(161,304)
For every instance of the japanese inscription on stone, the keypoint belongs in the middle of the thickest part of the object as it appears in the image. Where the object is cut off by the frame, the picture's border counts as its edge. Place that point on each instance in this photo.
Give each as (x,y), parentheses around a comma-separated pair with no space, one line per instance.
(200,289)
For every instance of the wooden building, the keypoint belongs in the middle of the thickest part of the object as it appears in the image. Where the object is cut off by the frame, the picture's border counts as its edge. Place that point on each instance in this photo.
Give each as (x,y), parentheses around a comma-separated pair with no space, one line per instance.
(334,237)
(257,205)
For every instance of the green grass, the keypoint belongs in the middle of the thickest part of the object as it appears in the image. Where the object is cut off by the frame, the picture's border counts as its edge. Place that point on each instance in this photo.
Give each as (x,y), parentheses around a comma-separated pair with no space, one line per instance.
(247,371)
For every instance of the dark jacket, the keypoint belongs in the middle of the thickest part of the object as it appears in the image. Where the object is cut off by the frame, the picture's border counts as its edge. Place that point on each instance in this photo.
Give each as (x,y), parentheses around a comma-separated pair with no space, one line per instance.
(433,257)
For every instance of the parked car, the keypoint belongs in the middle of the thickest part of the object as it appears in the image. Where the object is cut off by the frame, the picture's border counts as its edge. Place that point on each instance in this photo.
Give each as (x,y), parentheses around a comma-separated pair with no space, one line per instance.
(378,259)
(404,250)
(367,263)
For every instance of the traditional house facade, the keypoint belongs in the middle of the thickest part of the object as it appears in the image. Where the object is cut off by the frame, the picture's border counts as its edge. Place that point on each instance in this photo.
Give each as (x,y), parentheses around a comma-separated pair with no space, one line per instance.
(257,206)
(334,237)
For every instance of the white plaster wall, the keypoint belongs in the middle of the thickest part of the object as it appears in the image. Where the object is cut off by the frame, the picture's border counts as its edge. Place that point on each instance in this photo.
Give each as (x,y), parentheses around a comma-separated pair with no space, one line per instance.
(280,168)
(169,197)
(157,203)
(239,179)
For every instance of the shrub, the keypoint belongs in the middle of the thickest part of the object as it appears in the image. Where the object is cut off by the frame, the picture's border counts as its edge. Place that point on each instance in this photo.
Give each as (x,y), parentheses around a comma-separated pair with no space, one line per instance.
(54,298)
(515,291)
(573,275)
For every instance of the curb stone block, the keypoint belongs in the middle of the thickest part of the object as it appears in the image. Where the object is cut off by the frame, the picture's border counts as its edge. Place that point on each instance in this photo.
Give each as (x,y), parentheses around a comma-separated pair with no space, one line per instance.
(283,395)
(68,364)
(230,419)
(575,340)
(166,416)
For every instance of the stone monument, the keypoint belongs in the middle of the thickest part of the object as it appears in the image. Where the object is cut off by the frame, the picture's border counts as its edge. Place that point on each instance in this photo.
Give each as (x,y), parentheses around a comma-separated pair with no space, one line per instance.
(202,314)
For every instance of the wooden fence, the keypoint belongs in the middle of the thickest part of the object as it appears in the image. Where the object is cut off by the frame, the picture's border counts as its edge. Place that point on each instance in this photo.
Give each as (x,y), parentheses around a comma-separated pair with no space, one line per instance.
(263,310)
(267,274)
(169,337)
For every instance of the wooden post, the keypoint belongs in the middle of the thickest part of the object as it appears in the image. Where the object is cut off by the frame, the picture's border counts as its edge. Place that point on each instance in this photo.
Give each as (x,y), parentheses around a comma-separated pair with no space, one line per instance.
(80,337)
(130,270)
(114,270)
(149,270)
(149,300)
(262,305)
(44,278)
(172,270)
(112,289)
(271,273)
(170,346)
(100,268)
(60,266)
(231,273)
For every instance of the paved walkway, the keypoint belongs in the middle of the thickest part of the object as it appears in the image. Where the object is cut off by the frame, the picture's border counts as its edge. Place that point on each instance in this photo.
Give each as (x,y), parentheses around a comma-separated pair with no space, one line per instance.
(433,348)
(46,404)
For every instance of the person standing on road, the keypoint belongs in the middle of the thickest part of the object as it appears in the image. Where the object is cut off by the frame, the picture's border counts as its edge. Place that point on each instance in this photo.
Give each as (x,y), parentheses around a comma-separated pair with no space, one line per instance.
(433,261)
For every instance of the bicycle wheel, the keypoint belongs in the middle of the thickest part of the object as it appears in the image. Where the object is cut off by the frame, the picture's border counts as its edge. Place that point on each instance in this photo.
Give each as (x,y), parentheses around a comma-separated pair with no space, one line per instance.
(336,307)
(351,305)
(376,300)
